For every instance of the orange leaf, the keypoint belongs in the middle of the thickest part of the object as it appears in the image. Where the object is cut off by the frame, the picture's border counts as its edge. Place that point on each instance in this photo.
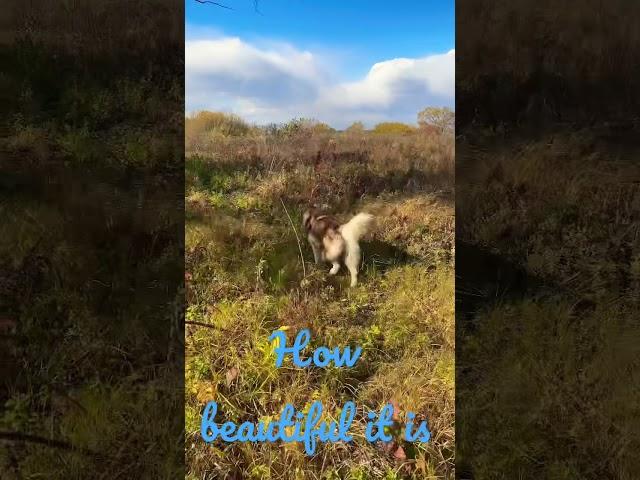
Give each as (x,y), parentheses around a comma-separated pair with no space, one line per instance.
(399,454)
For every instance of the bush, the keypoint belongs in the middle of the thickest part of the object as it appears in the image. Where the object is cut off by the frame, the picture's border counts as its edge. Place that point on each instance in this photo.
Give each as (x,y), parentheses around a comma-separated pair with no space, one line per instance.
(321,128)
(355,128)
(305,127)
(393,128)
(207,122)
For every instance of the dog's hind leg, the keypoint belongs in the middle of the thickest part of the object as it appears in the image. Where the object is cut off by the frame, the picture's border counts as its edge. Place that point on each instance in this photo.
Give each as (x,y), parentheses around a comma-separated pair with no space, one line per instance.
(352,261)
(335,268)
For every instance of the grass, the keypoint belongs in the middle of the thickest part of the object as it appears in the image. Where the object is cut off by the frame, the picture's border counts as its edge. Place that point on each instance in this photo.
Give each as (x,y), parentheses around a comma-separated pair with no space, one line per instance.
(547,384)
(90,257)
(555,67)
(245,279)
(86,366)
(104,96)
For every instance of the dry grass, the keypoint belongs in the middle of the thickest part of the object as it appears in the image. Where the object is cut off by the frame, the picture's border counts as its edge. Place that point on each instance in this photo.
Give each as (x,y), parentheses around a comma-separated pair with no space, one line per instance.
(549,383)
(529,62)
(246,280)
(90,261)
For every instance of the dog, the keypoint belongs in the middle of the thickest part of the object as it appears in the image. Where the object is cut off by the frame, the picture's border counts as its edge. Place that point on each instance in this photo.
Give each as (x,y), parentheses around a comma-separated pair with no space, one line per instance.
(334,242)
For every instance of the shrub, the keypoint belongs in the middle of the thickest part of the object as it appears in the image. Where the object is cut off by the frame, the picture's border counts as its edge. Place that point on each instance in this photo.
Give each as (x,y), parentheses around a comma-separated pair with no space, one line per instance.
(206,122)
(393,128)
(304,127)
(321,127)
(355,128)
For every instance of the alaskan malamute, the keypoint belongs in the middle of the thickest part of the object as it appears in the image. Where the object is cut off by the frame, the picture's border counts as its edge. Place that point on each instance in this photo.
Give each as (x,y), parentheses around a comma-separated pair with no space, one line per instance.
(334,242)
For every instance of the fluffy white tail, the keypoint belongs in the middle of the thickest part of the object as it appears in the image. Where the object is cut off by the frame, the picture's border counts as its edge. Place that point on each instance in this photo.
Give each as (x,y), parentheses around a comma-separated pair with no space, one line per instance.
(356,228)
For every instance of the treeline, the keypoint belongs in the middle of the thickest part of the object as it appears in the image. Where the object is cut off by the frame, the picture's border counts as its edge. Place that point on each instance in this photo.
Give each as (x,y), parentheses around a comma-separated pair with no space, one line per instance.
(431,121)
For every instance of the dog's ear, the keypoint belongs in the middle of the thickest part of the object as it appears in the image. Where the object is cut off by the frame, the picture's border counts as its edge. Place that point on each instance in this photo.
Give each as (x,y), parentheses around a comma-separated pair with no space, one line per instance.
(306,219)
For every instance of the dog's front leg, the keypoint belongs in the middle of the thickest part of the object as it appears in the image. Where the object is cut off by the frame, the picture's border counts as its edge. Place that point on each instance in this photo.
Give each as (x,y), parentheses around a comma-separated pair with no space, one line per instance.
(317,253)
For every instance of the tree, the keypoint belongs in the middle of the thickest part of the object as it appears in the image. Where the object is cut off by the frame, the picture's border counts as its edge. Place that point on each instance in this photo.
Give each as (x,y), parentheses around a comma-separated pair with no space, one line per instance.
(443,119)
(356,128)
(393,128)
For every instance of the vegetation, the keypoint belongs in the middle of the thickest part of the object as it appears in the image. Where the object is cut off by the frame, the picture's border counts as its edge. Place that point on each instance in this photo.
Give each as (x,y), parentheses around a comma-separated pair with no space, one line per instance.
(100,99)
(91,176)
(550,376)
(211,123)
(355,128)
(546,172)
(442,119)
(245,279)
(530,64)
(393,128)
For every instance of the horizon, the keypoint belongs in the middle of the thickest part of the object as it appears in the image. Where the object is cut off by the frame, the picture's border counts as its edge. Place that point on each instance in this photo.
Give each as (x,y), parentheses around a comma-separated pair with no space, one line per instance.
(252,124)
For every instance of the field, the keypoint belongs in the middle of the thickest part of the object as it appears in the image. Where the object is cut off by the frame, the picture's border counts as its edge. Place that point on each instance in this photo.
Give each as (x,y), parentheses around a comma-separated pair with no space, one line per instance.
(548,204)
(245,278)
(91,262)
(548,366)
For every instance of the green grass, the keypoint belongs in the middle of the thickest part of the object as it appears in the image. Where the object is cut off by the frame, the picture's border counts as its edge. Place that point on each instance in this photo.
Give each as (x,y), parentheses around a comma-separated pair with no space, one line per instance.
(246,280)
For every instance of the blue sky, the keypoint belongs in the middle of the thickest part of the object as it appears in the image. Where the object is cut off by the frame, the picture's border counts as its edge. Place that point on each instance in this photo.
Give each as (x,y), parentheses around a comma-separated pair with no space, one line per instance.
(337,61)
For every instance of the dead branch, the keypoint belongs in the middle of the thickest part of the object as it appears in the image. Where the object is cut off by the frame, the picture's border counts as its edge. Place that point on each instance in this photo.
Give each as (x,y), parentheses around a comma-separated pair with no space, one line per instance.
(304,269)
(215,3)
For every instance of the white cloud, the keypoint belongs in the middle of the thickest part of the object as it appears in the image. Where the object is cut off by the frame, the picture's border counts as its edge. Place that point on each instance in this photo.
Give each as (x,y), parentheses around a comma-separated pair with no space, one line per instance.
(276,82)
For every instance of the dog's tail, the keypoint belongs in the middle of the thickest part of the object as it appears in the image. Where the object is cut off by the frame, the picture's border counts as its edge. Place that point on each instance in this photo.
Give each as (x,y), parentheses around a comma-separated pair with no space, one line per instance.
(356,228)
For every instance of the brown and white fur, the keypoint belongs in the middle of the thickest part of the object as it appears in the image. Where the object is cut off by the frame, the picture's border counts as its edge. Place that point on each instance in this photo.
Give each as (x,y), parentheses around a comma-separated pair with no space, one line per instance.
(334,242)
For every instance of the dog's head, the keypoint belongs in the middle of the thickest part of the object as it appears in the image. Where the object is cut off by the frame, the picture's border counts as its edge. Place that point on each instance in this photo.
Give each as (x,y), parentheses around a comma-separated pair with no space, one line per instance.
(316,222)
(308,217)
